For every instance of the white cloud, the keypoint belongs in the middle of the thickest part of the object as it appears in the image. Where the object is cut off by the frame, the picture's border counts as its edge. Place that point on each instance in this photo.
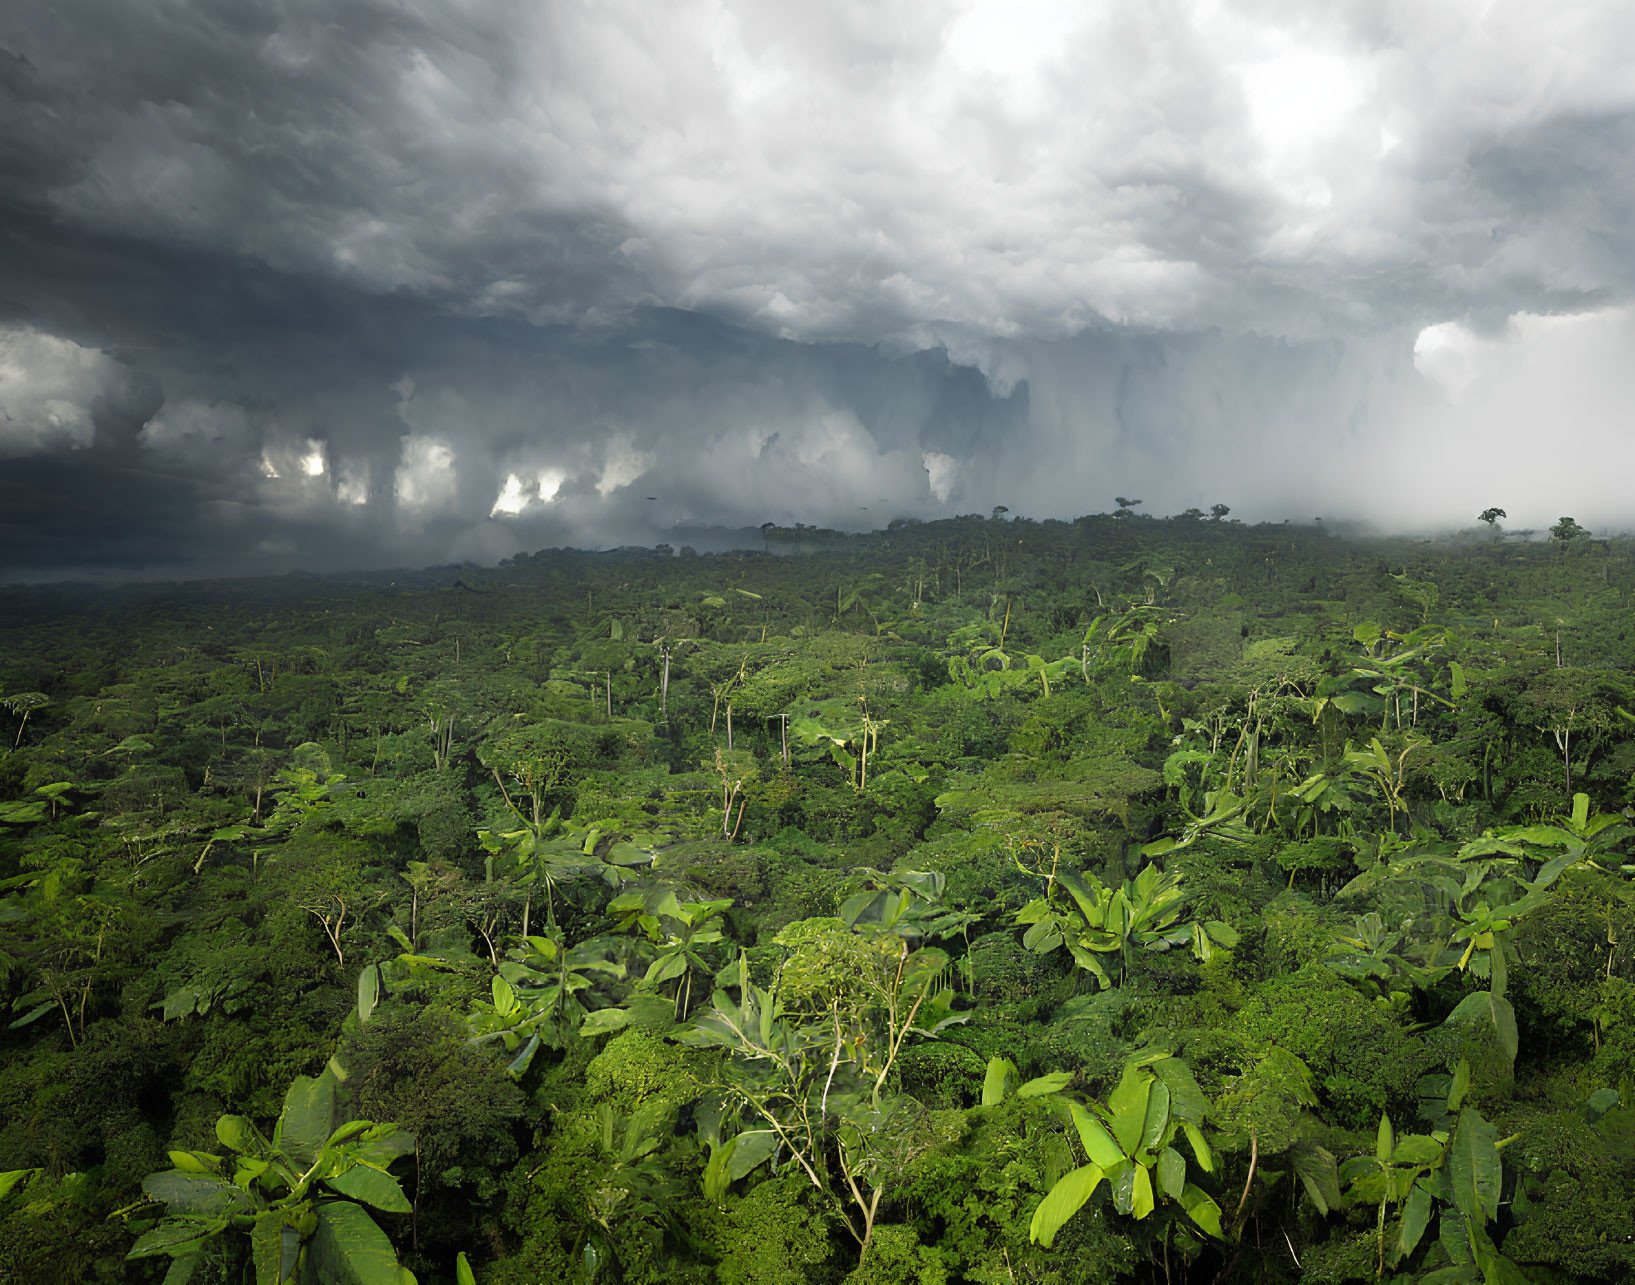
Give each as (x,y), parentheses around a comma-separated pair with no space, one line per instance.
(624,463)
(48,387)
(190,428)
(425,475)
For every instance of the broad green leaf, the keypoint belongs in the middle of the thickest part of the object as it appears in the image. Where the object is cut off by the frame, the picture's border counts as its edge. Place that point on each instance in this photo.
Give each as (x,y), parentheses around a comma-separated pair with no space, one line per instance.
(1123,1184)
(1315,1168)
(1417,1149)
(1460,1086)
(1224,933)
(1172,1173)
(752,1149)
(1416,1216)
(1157,1117)
(181,1270)
(1055,1082)
(195,1161)
(1383,1144)
(603,1021)
(1141,1198)
(1064,1200)
(505,997)
(13,1178)
(463,1275)
(236,1133)
(372,1187)
(667,968)
(35,1014)
(1128,1104)
(1598,1104)
(1486,1006)
(1475,1173)
(1200,1148)
(1186,1099)
(368,991)
(1202,1210)
(175,1237)
(518,1065)
(193,1193)
(265,1243)
(1101,1149)
(1001,1071)
(350,1249)
(304,1125)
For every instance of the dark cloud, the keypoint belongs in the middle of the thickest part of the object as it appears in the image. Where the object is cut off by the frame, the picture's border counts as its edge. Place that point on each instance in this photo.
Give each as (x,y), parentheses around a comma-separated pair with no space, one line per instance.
(340,282)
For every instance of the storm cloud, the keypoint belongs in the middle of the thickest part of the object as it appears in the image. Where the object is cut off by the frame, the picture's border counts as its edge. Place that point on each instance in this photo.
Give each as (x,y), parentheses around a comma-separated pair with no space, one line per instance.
(346,282)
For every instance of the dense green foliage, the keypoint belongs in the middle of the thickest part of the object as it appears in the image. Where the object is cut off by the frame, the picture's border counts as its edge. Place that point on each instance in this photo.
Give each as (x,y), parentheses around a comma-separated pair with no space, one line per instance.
(978,901)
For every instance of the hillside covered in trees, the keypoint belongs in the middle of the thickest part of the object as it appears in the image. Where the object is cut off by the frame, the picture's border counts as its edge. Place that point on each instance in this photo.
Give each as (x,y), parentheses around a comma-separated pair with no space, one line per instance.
(977,901)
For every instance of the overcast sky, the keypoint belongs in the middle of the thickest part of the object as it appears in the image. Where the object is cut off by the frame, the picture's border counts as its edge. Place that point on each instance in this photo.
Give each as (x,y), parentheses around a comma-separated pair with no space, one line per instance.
(331,283)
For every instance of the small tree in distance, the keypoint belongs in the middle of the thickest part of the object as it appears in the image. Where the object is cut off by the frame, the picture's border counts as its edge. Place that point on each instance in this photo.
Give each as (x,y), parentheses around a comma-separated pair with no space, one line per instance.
(1491,516)
(1219,511)
(1567,531)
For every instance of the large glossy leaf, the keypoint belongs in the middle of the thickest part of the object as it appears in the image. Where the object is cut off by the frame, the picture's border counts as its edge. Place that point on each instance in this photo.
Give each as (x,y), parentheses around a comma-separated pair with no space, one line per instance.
(372,1187)
(1416,1216)
(1172,1173)
(368,991)
(1416,1149)
(1315,1168)
(463,1275)
(1141,1195)
(1055,1082)
(1384,1144)
(237,1133)
(1128,1104)
(12,1178)
(1064,1200)
(1200,1148)
(1186,1099)
(1202,1210)
(181,1270)
(304,1126)
(1100,1147)
(604,1021)
(193,1193)
(1156,1120)
(273,1266)
(349,1249)
(1001,1072)
(176,1237)
(1475,1173)
(1486,1006)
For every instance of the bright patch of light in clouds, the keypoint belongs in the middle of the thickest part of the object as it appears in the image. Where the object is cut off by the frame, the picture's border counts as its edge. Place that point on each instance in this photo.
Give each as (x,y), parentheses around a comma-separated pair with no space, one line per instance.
(943,471)
(425,474)
(312,463)
(1299,96)
(511,500)
(625,463)
(353,486)
(516,495)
